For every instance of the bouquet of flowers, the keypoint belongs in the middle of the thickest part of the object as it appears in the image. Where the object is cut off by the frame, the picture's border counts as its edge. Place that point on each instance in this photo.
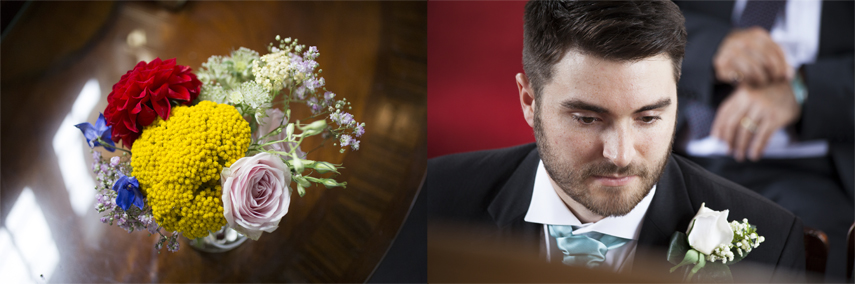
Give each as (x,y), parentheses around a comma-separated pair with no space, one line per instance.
(214,149)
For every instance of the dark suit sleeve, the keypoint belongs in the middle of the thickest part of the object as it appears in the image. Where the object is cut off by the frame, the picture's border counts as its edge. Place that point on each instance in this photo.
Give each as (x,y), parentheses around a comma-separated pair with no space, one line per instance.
(828,113)
(791,265)
(705,33)
(706,26)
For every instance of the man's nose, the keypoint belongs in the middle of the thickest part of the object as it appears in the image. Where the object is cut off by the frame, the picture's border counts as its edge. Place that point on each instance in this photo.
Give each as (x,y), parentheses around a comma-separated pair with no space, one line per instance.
(618,145)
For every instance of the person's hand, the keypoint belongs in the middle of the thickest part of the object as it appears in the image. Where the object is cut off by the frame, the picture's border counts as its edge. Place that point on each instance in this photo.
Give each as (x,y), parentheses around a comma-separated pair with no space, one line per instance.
(750,56)
(749,116)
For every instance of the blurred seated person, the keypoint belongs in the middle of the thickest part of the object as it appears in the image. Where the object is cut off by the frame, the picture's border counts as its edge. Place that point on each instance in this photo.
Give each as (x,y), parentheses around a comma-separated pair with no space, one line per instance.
(766,101)
(600,185)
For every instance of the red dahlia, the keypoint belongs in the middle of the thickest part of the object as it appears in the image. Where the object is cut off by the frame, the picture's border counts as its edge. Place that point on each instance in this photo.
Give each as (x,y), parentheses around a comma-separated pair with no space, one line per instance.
(145,93)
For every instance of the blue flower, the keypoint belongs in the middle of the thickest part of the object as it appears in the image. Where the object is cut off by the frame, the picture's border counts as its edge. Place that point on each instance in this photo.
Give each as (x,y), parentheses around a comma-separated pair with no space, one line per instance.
(129,192)
(100,130)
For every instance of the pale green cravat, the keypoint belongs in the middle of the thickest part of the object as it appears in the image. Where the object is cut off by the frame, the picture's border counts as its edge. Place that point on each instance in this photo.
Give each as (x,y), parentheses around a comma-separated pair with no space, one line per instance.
(584,250)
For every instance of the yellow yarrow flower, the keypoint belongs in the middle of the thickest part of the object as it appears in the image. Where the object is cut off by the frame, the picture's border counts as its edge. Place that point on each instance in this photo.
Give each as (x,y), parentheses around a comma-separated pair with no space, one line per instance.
(178,163)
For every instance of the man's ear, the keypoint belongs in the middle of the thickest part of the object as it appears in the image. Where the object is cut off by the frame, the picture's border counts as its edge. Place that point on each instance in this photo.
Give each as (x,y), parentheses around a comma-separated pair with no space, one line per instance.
(526,98)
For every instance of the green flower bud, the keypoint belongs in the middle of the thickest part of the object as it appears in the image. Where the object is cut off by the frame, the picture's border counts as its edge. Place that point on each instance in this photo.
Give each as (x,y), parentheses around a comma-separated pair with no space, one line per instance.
(314,128)
(330,183)
(325,167)
(289,130)
(301,190)
(298,165)
(301,181)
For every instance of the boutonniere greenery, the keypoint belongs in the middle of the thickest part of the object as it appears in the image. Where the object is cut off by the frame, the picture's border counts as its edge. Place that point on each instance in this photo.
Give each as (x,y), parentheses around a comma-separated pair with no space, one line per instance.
(711,244)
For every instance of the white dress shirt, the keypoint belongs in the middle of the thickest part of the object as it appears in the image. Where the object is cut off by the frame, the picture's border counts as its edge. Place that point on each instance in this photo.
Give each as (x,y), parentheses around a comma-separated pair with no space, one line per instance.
(796,31)
(548,209)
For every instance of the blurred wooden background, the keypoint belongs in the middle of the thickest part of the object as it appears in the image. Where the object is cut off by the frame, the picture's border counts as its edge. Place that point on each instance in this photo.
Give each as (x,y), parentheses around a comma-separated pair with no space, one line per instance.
(372,53)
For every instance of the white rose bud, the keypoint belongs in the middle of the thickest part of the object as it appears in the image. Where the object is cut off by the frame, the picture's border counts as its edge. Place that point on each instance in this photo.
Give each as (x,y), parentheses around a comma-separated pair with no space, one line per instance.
(709,229)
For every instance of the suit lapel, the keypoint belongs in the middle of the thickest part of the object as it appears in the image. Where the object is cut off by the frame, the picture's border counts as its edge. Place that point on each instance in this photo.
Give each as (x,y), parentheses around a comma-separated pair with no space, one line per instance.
(511,203)
(670,211)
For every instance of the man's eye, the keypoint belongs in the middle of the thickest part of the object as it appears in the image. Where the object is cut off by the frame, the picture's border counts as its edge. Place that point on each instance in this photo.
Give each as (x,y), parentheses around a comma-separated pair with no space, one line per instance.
(585,119)
(649,119)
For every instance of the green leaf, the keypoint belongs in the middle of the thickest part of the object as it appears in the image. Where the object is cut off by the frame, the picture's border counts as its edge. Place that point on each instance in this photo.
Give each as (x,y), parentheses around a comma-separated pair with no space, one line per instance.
(677,249)
(714,272)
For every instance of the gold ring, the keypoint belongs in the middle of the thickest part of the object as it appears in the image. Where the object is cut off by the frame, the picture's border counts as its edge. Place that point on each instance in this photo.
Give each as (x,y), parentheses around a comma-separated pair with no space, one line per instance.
(736,77)
(748,124)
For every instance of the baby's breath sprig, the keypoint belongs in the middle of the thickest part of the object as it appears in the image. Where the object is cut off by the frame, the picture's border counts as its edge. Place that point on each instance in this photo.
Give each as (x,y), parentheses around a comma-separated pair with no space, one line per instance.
(745,237)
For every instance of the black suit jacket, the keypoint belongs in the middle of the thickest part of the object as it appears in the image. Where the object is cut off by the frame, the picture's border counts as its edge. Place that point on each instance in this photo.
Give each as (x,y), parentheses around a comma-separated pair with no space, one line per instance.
(493,189)
(827,113)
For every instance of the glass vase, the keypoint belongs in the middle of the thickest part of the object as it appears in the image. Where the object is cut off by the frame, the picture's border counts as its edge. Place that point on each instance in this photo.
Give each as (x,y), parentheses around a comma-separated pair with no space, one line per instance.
(223,240)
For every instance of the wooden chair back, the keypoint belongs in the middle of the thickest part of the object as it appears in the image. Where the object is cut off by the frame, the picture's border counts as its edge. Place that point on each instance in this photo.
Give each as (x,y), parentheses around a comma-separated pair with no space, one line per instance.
(816,250)
(850,254)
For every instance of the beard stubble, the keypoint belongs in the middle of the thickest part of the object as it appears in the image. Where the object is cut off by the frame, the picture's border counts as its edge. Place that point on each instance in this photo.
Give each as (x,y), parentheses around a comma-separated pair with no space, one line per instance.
(604,201)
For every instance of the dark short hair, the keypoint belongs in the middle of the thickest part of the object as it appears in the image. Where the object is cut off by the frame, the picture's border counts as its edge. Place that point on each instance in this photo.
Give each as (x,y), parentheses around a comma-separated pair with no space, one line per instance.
(612,30)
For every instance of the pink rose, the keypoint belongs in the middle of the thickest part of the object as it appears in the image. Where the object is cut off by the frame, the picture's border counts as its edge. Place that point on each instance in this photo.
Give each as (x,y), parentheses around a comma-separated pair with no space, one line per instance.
(256,194)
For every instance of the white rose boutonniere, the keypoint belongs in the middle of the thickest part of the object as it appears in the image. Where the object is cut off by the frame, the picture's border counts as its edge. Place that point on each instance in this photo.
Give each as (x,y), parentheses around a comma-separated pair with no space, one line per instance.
(711,244)
(709,230)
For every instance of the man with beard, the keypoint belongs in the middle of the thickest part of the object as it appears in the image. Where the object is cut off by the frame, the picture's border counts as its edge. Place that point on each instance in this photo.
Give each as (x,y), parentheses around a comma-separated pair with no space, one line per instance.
(600,92)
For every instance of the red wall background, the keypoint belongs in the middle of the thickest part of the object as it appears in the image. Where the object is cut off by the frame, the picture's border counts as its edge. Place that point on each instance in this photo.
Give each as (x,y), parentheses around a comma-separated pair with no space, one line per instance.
(474,52)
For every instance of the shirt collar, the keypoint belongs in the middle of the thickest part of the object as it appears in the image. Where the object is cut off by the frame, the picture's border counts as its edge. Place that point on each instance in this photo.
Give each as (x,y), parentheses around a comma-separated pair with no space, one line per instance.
(547,208)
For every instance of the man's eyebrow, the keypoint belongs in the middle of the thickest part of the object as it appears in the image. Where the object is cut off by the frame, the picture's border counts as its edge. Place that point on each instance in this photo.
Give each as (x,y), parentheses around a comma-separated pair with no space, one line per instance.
(577,104)
(660,104)
(580,105)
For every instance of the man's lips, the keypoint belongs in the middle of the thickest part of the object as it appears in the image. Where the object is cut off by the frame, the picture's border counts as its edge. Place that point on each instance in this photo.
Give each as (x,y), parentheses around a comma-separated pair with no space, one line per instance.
(614,180)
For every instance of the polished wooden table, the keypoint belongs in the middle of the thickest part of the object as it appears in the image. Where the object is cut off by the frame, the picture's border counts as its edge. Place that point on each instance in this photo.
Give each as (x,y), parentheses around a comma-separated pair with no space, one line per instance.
(59,62)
